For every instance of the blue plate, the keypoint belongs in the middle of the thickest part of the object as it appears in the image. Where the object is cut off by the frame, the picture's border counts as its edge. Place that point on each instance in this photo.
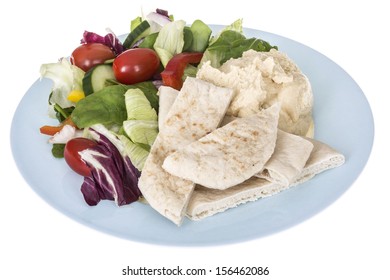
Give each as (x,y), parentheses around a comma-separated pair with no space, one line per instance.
(343,120)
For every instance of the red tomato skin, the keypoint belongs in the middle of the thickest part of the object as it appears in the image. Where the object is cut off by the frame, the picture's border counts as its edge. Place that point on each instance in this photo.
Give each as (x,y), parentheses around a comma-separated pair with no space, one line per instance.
(135,65)
(89,55)
(72,156)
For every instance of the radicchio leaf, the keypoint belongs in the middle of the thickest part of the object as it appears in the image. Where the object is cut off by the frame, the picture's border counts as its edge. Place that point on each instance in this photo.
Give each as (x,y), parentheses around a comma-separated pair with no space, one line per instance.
(113,176)
(110,40)
(90,192)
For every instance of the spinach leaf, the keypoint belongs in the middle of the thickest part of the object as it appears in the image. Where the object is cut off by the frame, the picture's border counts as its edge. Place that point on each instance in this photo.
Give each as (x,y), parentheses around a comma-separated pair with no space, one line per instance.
(148,88)
(232,44)
(106,106)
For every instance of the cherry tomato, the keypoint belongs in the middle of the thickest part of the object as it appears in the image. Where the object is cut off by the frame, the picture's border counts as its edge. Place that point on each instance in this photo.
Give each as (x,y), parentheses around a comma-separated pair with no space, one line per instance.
(135,65)
(89,55)
(72,156)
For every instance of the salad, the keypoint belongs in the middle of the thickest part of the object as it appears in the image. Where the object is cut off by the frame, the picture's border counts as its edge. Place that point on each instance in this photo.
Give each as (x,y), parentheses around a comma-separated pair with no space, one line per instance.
(105,95)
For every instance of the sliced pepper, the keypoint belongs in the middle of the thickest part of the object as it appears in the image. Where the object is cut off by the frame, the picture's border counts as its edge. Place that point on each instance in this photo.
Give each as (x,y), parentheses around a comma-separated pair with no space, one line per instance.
(173,72)
(51,130)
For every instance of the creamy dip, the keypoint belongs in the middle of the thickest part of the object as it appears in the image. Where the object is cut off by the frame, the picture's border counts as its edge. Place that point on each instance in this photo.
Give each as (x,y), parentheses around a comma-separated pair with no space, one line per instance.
(260,79)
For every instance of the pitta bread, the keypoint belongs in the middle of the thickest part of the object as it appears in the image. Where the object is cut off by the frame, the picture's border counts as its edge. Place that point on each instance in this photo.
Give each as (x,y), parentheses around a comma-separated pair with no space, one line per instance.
(229,155)
(323,157)
(167,96)
(206,202)
(197,110)
(288,160)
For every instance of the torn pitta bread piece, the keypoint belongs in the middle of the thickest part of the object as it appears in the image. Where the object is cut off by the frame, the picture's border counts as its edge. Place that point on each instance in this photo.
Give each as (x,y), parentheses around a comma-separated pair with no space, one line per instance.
(167,96)
(206,202)
(229,155)
(197,110)
(288,160)
(323,157)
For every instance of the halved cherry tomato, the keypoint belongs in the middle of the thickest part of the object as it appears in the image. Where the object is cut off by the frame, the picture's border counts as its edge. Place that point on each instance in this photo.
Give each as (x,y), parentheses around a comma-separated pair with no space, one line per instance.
(72,156)
(89,55)
(135,65)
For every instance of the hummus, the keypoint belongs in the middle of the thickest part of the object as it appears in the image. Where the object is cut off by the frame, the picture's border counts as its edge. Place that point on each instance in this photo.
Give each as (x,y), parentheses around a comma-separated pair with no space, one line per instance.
(260,79)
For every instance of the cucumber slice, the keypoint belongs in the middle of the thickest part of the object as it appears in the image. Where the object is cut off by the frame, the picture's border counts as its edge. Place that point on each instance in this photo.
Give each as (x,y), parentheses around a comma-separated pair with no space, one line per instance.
(149,41)
(139,32)
(95,79)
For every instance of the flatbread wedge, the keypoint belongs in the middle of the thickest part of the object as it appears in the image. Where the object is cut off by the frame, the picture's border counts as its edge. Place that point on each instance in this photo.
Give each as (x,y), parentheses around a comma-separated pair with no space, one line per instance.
(206,202)
(323,157)
(197,110)
(230,154)
(288,160)
(167,97)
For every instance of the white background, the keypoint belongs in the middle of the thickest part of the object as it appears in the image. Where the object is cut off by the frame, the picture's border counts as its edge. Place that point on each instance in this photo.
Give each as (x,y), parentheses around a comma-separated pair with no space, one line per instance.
(348,240)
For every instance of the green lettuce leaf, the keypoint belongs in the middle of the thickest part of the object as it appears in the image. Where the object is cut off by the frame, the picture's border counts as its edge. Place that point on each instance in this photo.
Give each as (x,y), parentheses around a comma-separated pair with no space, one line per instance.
(66,77)
(141,126)
(135,152)
(170,40)
(138,106)
(150,92)
(235,26)
(201,33)
(141,131)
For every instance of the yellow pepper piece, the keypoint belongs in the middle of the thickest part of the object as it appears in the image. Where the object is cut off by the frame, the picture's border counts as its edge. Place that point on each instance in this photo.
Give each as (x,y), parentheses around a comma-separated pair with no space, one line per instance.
(76,95)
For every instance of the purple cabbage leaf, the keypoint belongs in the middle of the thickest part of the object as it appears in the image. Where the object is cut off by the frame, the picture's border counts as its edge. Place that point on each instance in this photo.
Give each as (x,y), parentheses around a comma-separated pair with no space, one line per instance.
(113,176)
(110,40)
